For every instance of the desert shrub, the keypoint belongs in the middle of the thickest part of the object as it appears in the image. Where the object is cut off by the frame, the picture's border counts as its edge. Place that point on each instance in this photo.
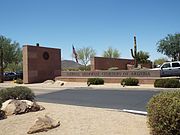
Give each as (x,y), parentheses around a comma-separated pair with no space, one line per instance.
(18,81)
(159,83)
(95,81)
(18,92)
(164,113)
(167,83)
(130,82)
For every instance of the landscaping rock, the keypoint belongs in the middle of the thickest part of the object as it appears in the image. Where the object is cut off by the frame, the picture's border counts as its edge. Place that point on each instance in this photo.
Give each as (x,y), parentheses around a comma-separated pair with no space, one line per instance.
(58,82)
(35,107)
(4,105)
(43,124)
(12,106)
(48,82)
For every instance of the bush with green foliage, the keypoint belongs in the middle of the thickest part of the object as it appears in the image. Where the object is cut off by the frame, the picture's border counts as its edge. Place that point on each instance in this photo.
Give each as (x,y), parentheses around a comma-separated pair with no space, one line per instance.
(95,81)
(18,92)
(167,83)
(130,82)
(164,113)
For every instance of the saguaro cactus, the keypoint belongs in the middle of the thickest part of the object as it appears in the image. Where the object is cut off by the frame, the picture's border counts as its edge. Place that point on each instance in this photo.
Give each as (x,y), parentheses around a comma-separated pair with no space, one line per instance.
(135,54)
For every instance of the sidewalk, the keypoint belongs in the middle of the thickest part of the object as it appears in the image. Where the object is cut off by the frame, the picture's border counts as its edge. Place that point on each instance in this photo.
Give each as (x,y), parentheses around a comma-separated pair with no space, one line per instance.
(57,85)
(75,85)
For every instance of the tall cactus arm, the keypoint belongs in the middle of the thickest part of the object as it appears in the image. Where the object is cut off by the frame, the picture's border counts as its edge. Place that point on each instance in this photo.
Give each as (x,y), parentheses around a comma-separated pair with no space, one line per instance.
(132,53)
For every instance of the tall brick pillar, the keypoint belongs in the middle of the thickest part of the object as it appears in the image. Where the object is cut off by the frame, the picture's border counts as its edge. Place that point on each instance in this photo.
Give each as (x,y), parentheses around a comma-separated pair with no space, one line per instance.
(40,63)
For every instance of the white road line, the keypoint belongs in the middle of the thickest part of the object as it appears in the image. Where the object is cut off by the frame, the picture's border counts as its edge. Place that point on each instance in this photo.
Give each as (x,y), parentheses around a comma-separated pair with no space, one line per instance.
(135,112)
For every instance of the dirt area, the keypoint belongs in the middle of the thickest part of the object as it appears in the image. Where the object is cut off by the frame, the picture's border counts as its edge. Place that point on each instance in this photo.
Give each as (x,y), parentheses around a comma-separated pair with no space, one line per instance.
(78,120)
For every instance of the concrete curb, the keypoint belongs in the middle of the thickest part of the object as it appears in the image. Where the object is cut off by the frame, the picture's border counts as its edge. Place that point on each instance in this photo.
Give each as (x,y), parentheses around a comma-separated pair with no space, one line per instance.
(135,112)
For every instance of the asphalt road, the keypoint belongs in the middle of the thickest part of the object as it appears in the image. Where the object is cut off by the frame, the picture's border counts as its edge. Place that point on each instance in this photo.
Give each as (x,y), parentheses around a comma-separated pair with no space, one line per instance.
(113,99)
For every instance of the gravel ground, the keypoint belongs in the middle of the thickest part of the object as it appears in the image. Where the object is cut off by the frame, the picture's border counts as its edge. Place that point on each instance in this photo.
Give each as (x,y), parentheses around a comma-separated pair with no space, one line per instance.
(77,120)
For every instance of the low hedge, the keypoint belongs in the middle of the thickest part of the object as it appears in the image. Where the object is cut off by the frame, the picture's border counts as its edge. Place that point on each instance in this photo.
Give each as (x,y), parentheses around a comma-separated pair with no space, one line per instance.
(167,83)
(18,92)
(95,81)
(164,113)
(130,82)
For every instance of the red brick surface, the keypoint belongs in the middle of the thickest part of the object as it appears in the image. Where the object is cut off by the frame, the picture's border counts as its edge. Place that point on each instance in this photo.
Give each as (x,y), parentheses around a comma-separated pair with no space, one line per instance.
(102,63)
(36,68)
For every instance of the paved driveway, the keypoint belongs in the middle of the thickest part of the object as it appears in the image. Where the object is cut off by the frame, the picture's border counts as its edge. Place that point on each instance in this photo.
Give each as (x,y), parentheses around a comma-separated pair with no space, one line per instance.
(102,98)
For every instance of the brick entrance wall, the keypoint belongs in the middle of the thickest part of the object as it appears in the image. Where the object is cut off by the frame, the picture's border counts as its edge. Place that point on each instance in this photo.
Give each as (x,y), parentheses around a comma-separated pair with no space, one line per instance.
(40,63)
(102,63)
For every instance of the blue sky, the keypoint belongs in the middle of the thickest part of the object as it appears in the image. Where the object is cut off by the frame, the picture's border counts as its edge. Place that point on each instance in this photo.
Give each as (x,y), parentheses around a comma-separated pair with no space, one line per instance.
(90,23)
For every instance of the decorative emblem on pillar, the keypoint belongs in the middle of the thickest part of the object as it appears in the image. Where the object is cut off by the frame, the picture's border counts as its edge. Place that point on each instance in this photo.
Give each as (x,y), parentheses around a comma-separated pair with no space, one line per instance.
(45,55)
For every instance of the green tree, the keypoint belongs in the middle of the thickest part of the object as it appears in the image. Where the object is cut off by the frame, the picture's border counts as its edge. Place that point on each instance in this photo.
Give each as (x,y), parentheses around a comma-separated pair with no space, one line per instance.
(160,61)
(84,55)
(170,46)
(111,53)
(142,57)
(9,52)
(14,67)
